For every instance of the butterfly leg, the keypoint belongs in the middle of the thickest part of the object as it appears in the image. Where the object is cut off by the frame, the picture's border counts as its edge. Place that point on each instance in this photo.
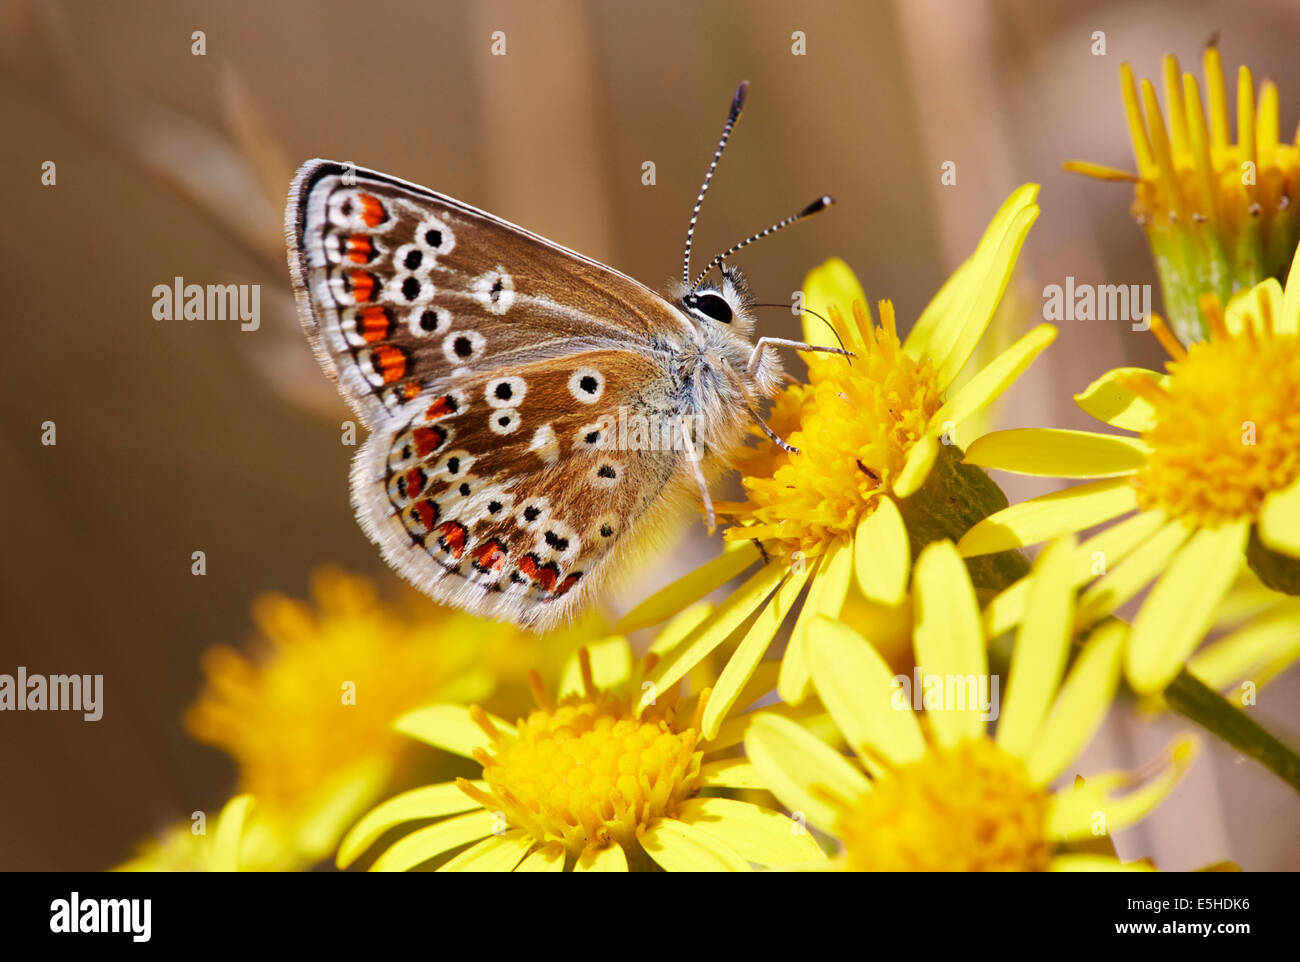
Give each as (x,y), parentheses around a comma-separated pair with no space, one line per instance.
(776,438)
(757,353)
(693,457)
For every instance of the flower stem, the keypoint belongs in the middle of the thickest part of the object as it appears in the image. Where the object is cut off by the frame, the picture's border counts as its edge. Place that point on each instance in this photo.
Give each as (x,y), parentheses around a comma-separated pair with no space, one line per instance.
(1192,698)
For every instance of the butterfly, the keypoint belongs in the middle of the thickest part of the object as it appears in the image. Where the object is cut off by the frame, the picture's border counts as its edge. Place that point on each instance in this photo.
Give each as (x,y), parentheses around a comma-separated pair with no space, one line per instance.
(535,416)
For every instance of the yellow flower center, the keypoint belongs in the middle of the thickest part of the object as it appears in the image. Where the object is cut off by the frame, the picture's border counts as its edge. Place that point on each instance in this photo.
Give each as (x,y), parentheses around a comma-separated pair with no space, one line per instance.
(589,771)
(970,808)
(853,424)
(1227,430)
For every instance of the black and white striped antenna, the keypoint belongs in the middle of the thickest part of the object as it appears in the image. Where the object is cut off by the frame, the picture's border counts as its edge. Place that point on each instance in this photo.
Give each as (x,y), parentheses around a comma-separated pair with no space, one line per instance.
(821,203)
(737,103)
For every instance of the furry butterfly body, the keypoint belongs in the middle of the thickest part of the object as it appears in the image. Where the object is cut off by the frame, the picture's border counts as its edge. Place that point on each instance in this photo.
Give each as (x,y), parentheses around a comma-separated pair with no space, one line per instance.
(497,373)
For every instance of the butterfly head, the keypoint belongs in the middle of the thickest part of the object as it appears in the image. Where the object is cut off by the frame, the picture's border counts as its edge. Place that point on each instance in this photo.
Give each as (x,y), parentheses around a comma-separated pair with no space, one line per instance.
(727,302)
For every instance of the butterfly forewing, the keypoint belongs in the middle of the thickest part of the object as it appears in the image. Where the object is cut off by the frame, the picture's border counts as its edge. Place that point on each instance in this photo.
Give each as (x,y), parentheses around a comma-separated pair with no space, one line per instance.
(494,369)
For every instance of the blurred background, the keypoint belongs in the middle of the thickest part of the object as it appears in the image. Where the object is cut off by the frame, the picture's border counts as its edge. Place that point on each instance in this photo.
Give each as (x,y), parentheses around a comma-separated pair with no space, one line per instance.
(177,436)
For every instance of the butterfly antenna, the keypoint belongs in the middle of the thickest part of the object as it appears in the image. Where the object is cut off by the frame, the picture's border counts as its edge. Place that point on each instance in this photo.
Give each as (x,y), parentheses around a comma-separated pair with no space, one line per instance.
(737,103)
(820,204)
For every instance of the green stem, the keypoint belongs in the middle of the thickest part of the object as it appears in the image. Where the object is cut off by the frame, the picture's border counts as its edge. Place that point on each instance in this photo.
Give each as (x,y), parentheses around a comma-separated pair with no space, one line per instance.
(1192,698)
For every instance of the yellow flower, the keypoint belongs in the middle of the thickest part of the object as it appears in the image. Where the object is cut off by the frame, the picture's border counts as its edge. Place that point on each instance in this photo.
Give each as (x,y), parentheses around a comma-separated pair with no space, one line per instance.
(877,472)
(1219,215)
(1214,478)
(308,719)
(606,777)
(935,791)
(185,848)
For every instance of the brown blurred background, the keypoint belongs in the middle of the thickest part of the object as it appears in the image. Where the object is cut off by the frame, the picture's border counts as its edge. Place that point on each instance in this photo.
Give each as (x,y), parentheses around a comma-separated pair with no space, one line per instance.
(178,436)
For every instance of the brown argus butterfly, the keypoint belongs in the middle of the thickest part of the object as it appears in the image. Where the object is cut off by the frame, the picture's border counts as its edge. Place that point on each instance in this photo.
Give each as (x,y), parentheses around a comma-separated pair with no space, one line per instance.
(534,415)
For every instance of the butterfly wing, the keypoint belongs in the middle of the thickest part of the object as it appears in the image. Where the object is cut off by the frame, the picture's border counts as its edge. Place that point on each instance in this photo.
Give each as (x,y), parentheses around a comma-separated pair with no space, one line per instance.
(400,288)
(498,373)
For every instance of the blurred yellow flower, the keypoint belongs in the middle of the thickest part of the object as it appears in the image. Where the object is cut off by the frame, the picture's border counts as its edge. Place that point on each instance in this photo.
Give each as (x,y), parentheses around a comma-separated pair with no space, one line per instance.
(876,473)
(187,847)
(606,777)
(1219,215)
(934,791)
(308,718)
(1214,477)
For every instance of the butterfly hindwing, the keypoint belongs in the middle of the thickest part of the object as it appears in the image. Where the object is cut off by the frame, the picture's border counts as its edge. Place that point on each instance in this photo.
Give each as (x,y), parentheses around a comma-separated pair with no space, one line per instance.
(498,373)
(509,495)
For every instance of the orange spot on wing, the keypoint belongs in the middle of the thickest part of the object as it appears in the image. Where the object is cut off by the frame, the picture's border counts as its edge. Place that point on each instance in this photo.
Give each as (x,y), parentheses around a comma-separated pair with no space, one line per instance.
(392,362)
(440,408)
(363,286)
(410,390)
(360,248)
(372,211)
(490,556)
(452,537)
(428,440)
(427,512)
(375,324)
(415,479)
(568,583)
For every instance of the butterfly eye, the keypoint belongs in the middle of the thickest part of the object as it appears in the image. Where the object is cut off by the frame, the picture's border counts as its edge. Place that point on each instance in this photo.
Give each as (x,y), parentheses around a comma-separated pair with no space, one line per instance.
(714,306)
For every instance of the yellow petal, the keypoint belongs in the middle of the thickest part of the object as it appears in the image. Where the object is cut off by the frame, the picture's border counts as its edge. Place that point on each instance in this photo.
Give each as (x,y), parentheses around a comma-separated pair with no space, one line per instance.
(758,835)
(955,335)
(433,840)
(1091,559)
(1076,810)
(1128,578)
(547,858)
(1255,652)
(801,770)
(1246,307)
(1042,647)
(611,858)
(717,628)
(935,316)
(1082,704)
(1279,521)
(881,555)
(500,853)
(920,459)
(685,591)
(1049,516)
(1058,453)
(1288,321)
(611,665)
(678,847)
(1108,400)
(1099,171)
(730,773)
(833,284)
(744,660)
(826,594)
(431,801)
(857,688)
(679,626)
(229,834)
(949,639)
(994,378)
(449,727)
(1180,608)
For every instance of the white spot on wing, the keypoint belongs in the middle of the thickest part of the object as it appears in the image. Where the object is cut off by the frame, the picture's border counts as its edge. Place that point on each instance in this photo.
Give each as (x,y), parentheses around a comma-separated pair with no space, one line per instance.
(544,444)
